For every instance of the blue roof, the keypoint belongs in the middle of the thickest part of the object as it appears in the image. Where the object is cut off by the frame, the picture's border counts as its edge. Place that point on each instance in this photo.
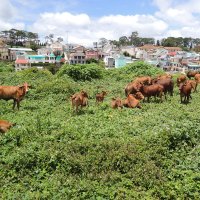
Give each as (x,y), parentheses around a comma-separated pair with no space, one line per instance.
(52,55)
(36,56)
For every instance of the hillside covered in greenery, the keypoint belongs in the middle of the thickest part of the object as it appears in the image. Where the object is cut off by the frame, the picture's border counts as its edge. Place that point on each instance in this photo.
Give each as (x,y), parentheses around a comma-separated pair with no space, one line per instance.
(99,153)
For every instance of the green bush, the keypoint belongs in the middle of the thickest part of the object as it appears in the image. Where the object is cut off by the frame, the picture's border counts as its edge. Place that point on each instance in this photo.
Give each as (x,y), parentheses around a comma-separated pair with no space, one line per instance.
(81,72)
(141,69)
(6,66)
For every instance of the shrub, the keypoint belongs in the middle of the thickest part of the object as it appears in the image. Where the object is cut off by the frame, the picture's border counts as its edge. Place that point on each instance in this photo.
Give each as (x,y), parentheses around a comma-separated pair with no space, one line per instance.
(6,66)
(81,72)
(141,68)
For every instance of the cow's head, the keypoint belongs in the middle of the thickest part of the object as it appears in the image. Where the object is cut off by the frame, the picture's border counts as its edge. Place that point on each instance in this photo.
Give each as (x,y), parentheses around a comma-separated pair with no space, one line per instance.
(104,93)
(25,87)
(84,94)
(139,96)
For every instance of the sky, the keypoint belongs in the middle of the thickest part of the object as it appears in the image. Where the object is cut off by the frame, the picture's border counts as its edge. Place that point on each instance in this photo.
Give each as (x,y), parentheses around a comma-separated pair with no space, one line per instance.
(86,21)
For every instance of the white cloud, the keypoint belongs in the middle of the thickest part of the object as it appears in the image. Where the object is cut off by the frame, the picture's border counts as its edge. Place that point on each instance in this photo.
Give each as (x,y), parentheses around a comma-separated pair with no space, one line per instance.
(7,25)
(7,10)
(8,14)
(172,18)
(85,30)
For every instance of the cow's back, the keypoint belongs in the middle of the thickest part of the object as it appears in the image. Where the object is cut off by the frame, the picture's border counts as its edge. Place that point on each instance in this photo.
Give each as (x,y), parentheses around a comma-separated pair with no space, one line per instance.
(8,92)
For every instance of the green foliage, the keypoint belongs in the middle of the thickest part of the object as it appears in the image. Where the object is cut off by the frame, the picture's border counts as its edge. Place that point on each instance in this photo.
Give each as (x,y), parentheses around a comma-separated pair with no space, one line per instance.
(91,60)
(98,153)
(6,66)
(81,72)
(140,69)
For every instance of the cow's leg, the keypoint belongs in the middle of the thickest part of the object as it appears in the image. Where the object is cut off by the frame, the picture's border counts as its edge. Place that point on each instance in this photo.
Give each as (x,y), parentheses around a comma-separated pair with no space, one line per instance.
(18,104)
(14,104)
(181,97)
(161,96)
(165,95)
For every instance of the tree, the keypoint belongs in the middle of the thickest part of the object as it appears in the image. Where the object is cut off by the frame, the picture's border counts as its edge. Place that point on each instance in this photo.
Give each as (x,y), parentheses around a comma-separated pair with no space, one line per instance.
(34,46)
(59,39)
(158,42)
(123,40)
(102,42)
(125,53)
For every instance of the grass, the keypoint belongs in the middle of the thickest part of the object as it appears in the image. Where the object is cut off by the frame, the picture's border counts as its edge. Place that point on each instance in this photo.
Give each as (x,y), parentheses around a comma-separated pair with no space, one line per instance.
(99,153)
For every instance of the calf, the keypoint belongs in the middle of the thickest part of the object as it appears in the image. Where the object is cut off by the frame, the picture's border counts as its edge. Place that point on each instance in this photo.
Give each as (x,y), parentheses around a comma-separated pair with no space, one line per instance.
(181,79)
(194,84)
(116,103)
(5,126)
(168,85)
(164,76)
(152,90)
(132,88)
(191,74)
(133,101)
(197,78)
(146,80)
(185,91)
(79,100)
(16,93)
(100,96)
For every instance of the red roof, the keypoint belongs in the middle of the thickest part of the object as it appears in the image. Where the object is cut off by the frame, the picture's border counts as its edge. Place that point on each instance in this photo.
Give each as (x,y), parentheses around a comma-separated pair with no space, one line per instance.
(62,60)
(21,61)
(172,53)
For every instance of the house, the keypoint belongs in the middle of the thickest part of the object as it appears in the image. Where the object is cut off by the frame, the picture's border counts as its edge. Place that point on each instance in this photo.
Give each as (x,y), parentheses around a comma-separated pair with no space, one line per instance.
(77,58)
(51,58)
(4,53)
(129,49)
(94,54)
(109,61)
(121,61)
(79,48)
(22,63)
(15,52)
(56,46)
(173,49)
(193,66)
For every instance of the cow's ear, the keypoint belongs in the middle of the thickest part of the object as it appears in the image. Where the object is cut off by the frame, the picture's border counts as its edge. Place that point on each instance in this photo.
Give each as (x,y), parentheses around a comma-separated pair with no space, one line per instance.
(113,99)
(30,86)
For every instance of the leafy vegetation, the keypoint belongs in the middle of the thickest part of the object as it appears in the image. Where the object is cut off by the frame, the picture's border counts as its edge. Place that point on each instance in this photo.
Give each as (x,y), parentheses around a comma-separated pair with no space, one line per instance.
(99,153)
(6,66)
(82,72)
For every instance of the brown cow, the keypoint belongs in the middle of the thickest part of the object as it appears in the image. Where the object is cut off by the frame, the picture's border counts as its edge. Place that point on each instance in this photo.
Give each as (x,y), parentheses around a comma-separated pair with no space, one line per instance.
(185,91)
(152,90)
(164,76)
(133,101)
(79,99)
(194,84)
(168,85)
(100,96)
(132,88)
(116,103)
(146,80)
(191,74)
(5,126)
(16,93)
(197,78)
(181,79)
